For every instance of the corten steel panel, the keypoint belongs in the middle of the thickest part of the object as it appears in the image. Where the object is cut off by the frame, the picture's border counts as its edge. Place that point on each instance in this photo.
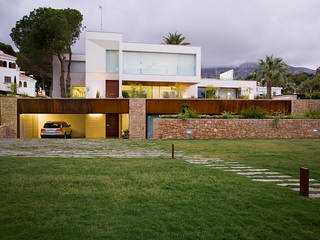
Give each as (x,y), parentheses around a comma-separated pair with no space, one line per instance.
(169,106)
(73,106)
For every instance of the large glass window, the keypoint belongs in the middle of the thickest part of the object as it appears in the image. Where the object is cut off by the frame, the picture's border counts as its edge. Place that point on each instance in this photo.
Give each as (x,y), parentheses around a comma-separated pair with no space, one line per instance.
(145,91)
(112,61)
(76,66)
(159,64)
(78,92)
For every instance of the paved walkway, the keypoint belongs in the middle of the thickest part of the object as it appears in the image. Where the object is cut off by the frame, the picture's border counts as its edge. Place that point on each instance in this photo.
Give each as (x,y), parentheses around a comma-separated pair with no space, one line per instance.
(80,148)
(257,174)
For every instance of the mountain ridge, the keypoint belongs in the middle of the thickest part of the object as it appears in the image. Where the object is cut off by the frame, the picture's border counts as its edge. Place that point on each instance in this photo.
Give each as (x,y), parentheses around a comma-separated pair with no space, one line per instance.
(244,69)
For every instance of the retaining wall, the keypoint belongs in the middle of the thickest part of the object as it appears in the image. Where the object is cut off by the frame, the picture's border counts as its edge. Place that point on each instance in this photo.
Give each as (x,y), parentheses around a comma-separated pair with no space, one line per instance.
(235,128)
(9,113)
(298,107)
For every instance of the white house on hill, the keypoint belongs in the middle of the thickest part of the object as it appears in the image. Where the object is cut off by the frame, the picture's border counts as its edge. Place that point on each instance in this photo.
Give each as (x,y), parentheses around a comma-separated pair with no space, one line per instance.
(10,74)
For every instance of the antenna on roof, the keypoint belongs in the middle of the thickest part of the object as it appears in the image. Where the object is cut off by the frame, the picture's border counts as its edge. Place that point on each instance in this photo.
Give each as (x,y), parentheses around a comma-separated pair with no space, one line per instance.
(100,7)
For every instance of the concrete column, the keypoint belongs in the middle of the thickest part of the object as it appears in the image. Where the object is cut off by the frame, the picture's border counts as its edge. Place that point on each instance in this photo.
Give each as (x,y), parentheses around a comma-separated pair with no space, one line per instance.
(9,115)
(137,118)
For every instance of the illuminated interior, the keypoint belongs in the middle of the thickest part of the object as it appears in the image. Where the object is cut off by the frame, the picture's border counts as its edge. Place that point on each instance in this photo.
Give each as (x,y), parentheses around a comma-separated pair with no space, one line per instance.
(82,125)
(153,91)
(78,92)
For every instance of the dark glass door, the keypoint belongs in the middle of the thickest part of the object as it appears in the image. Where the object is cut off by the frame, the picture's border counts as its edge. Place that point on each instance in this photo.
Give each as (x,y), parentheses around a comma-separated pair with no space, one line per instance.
(112,88)
(112,125)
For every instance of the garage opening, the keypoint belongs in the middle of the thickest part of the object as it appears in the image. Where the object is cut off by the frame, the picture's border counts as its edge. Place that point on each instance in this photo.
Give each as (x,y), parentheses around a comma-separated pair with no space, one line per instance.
(82,125)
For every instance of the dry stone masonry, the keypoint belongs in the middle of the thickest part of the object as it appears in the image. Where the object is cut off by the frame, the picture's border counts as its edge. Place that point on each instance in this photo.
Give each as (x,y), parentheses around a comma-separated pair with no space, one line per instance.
(235,128)
(137,118)
(9,116)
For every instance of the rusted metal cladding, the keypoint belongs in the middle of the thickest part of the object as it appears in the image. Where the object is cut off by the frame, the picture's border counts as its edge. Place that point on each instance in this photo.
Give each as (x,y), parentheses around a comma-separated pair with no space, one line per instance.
(169,106)
(73,106)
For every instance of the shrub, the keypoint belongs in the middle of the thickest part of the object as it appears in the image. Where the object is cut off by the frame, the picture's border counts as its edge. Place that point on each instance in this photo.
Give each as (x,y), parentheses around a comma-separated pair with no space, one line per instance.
(98,94)
(125,94)
(264,96)
(227,115)
(276,120)
(13,89)
(312,114)
(125,134)
(211,92)
(243,97)
(187,112)
(315,95)
(254,112)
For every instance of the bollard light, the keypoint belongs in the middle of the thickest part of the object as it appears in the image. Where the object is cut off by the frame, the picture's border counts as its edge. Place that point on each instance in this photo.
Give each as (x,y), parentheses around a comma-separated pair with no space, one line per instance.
(304,181)
(172,149)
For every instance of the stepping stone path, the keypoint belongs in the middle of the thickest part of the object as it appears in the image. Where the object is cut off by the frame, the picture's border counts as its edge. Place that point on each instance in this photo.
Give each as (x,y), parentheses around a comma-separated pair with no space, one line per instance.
(257,174)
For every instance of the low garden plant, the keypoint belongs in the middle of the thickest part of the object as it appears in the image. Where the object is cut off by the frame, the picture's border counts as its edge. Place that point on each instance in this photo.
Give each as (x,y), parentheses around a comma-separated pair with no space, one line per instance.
(312,114)
(251,113)
(254,112)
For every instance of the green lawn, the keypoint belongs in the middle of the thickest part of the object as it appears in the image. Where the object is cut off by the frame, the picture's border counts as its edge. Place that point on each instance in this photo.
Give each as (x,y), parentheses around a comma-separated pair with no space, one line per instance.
(160,198)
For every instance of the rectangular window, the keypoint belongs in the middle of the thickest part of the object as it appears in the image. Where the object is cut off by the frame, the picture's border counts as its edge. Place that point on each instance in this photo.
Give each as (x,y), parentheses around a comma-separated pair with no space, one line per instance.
(201,92)
(7,79)
(78,92)
(112,61)
(76,66)
(159,64)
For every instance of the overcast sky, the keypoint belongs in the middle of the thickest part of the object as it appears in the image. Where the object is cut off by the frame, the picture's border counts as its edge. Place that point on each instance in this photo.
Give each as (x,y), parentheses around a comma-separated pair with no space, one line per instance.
(229,32)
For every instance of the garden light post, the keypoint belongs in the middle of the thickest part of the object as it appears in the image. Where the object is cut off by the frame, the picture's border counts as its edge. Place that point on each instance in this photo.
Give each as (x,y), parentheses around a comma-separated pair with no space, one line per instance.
(172,149)
(304,181)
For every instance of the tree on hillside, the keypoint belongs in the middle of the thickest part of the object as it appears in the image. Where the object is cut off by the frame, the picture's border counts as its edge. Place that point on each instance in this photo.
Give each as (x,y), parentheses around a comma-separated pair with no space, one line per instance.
(39,65)
(175,39)
(48,32)
(271,69)
(300,77)
(6,48)
(310,85)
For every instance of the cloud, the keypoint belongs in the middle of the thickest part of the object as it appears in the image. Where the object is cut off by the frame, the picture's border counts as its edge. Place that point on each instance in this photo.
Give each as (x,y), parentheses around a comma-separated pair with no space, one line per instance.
(229,32)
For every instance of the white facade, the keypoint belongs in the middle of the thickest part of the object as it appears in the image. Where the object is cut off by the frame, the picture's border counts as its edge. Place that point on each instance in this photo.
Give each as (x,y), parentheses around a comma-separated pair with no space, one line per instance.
(231,87)
(227,75)
(97,45)
(111,67)
(26,85)
(9,71)
(10,74)
(275,91)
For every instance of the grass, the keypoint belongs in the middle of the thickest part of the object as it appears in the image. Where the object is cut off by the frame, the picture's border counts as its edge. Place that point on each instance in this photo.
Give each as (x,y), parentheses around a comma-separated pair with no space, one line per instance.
(285,155)
(159,198)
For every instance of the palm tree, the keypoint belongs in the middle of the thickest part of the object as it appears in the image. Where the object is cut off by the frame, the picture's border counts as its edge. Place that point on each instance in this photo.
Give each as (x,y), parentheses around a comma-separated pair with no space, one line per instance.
(175,38)
(310,84)
(271,69)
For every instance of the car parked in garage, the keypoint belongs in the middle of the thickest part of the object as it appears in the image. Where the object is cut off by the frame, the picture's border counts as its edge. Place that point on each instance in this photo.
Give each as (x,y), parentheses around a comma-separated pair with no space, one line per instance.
(56,129)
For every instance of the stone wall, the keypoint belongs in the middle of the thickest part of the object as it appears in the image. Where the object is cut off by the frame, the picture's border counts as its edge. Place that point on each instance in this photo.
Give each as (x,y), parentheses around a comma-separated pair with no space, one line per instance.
(298,107)
(235,128)
(9,115)
(3,131)
(137,118)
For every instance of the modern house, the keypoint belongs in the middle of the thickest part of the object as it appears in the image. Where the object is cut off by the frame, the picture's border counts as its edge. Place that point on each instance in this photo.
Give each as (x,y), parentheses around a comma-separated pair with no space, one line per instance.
(136,83)
(11,74)
(111,68)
